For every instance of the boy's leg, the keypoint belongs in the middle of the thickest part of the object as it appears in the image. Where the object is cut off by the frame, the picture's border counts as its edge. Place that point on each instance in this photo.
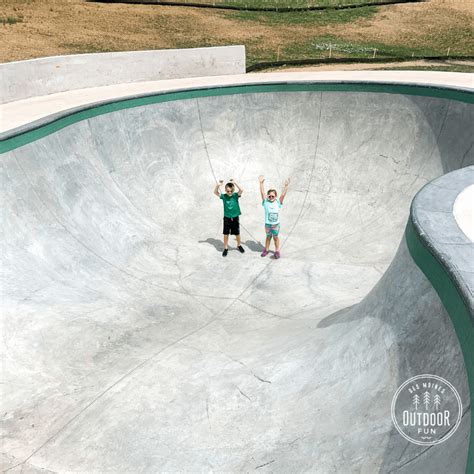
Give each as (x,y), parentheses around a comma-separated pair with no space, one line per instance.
(239,246)
(236,232)
(226,241)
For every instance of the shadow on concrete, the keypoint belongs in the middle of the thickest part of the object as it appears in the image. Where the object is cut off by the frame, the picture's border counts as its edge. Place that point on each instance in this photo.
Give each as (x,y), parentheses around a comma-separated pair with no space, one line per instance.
(254,246)
(219,245)
(339,317)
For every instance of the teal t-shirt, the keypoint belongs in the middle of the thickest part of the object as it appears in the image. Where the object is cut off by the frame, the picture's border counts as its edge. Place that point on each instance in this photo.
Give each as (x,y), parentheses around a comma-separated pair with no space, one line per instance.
(272,211)
(231,205)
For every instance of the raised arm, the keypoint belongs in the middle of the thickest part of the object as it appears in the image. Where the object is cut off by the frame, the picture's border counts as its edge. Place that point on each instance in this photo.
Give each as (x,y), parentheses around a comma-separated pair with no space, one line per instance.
(262,189)
(285,190)
(216,189)
(240,189)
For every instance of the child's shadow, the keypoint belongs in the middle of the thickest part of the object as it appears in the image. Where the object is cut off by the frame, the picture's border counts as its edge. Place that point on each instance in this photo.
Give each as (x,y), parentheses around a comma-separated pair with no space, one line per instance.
(219,245)
(254,246)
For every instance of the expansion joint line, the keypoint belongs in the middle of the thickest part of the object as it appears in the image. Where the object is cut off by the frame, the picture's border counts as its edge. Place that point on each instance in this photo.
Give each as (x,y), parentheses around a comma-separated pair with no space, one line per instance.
(204,141)
(311,173)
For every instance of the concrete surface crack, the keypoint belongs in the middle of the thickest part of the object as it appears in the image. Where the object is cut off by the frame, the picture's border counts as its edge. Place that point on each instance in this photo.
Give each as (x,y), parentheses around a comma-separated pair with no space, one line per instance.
(260,378)
(261,310)
(243,394)
(466,154)
(391,158)
(311,173)
(266,464)
(204,141)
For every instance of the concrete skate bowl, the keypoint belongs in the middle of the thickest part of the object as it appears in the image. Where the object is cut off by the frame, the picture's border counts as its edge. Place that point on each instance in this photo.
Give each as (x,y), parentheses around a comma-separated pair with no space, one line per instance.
(132,345)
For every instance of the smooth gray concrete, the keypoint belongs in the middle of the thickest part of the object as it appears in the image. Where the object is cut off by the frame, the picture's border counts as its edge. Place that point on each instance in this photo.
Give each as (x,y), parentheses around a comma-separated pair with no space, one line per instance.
(43,76)
(131,345)
(464,213)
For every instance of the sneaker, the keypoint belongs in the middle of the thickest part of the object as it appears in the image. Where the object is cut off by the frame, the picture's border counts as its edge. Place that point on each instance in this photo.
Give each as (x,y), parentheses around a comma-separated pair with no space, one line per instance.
(277,254)
(264,253)
(241,249)
(224,253)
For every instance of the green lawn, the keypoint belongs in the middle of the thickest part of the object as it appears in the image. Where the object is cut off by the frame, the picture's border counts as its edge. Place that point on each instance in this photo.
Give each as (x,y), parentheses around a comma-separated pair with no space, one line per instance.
(321,17)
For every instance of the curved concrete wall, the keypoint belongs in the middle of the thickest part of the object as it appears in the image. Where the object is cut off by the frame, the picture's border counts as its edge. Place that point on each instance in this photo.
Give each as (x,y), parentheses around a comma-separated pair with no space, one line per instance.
(446,255)
(36,77)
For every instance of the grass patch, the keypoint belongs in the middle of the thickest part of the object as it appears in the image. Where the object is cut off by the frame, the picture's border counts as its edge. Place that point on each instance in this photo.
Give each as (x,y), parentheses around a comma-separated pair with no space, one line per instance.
(321,17)
(325,46)
(11,20)
(331,46)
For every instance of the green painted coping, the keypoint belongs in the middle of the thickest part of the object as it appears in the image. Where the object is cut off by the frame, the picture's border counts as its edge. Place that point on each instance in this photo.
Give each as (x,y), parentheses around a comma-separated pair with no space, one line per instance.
(456,308)
(67,119)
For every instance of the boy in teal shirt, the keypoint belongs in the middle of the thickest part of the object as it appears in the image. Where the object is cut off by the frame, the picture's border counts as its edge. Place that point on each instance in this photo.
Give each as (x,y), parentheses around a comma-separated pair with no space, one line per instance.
(232,212)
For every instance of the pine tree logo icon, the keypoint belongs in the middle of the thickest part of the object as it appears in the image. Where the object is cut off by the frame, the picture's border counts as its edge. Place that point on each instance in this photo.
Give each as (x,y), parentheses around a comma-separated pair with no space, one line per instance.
(427,400)
(437,402)
(416,401)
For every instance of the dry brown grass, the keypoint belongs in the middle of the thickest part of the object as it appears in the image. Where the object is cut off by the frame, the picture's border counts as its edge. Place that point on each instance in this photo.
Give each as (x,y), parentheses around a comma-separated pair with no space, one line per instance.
(52,27)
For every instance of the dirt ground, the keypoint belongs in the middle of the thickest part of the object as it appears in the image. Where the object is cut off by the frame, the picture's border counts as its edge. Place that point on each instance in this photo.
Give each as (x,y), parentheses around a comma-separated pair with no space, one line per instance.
(35,28)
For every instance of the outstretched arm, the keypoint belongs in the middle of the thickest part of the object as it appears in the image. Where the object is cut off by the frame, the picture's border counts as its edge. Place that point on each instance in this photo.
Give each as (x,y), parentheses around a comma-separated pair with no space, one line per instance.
(216,189)
(240,189)
(285,190)
(262,189)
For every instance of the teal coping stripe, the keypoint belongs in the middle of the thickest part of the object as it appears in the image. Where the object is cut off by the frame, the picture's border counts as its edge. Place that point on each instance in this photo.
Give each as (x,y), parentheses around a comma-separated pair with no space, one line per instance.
(458,311)
(430,266)
(48,127)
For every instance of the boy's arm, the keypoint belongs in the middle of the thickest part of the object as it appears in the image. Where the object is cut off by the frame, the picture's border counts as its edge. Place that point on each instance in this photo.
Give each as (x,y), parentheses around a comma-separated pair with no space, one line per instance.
(262,189)
(240,189)
(285,190)
(216,189)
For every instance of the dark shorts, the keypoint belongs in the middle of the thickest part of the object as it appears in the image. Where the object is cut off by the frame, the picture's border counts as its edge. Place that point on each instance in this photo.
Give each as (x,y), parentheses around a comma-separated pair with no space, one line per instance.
(231,226)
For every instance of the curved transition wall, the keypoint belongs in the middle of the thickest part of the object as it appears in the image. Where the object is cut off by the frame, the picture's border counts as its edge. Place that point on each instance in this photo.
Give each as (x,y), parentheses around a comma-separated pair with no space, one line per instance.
(132,345)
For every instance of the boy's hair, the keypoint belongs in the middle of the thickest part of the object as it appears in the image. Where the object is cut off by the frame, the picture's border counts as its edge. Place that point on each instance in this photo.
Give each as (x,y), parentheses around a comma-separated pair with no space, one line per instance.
(230,185)
(272,191)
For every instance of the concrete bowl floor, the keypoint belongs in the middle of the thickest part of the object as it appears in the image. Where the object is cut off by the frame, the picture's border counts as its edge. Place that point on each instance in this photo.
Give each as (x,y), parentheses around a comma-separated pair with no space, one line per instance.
(132,345)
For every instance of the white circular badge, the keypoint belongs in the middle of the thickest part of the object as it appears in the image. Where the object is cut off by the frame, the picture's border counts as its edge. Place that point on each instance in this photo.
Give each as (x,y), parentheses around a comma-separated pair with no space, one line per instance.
(426,410)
